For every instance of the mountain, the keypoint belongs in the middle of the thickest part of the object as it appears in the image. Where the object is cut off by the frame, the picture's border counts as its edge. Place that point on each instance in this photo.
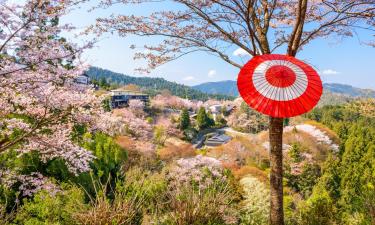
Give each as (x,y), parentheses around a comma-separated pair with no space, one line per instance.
(229,87)
(349,90)
(151,85)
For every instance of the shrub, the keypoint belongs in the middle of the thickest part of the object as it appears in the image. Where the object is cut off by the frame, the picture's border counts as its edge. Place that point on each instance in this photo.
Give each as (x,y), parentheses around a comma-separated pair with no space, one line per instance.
(200,193)
(45,208)
(190,134)
(160,135)
(103,211)
(318,209)
(174,151)
(256,204)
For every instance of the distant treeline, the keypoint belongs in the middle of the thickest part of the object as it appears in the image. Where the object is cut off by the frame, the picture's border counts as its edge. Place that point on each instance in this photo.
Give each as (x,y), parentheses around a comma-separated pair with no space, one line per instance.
(151,85)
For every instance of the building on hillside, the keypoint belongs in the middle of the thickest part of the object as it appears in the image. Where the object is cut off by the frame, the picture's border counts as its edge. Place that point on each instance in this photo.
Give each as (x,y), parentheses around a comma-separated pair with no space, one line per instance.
(215,109)
(218,109)
(217,139)
(120,98)
(83,79)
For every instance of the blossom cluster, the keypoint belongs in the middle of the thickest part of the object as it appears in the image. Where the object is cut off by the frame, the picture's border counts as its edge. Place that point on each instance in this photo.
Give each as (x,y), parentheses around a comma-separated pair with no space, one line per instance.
(35,182)
(199,170)
(320,135)
(174,102)
(124,122)
(39,99)
(29,184)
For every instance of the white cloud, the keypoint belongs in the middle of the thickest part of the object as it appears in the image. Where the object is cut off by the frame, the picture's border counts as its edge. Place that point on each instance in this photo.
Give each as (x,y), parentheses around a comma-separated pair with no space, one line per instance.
(211,73)
(329,72)
(188,78)
(240,52)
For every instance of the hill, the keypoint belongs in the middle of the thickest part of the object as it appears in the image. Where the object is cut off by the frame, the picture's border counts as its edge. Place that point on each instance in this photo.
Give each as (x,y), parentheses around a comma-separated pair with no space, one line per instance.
(152,85)
(339,92)
(227,87)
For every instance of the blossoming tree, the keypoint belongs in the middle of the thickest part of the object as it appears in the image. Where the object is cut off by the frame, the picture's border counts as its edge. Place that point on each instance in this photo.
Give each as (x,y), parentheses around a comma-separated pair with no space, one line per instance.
(39,100)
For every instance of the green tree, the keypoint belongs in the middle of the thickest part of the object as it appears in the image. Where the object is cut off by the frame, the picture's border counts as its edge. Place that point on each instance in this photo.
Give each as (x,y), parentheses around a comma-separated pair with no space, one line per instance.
(203,120)
(160,135)
(220,121)
(103,83)
(184,119)
(295,152)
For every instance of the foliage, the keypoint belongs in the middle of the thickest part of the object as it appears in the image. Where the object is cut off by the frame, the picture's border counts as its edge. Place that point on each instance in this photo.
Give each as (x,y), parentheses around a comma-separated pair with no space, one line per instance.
(295,152)
(348,178)
(39,99)
(160,135)
(220,121)
(256,204)
(305,181)
(45,208)
(184,119)
(120,210)
(190,133)
(200,193)
(247,120)
(318,209)
(203,119)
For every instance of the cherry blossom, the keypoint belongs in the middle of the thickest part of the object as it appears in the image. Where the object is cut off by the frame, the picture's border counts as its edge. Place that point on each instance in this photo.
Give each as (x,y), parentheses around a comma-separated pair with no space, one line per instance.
(40,102)
(321,136)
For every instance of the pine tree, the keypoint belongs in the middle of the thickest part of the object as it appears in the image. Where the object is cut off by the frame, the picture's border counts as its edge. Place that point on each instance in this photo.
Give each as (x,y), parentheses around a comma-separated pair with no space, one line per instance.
(184,119)
(203,120)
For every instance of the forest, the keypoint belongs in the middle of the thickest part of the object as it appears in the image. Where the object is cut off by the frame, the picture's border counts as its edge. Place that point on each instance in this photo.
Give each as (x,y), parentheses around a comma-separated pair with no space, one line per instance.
(151,86)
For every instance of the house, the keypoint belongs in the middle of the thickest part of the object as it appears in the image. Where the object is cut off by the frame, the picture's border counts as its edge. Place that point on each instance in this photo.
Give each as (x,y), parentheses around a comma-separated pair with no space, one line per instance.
(217,139)
(120,98)
(215,109)
(218,109)
(83,79)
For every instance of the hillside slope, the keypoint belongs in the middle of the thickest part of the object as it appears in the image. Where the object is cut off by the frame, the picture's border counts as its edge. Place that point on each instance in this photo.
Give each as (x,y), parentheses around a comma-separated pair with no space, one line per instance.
(152,85)
(229,87)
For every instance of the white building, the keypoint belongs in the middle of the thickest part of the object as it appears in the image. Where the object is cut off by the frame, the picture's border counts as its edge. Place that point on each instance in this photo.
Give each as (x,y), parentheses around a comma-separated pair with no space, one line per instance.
(83,79)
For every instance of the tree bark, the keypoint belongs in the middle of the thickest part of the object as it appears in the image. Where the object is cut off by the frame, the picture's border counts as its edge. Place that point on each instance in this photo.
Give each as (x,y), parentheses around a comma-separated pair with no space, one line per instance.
(276,177)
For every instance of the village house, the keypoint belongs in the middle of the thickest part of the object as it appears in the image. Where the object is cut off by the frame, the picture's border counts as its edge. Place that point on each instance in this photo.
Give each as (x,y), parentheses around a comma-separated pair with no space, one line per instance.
(120,98)
(218,109)
(217,139)
(83,79)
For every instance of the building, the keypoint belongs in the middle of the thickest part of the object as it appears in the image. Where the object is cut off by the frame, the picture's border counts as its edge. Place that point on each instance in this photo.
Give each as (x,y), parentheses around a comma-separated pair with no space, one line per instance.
(217,139)
(218,109)
(83,79)
(120,98)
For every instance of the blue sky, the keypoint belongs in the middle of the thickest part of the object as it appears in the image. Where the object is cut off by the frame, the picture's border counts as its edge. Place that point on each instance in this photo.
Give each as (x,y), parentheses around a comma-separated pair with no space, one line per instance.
(347,61)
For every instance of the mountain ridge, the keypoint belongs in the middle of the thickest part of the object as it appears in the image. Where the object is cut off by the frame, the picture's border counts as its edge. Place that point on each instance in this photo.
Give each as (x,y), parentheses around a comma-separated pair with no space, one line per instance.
(229,87)
(151,85)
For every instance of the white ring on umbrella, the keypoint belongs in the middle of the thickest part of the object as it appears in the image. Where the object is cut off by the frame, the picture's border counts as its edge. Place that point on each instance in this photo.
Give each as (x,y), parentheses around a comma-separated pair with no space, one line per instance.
(270,91)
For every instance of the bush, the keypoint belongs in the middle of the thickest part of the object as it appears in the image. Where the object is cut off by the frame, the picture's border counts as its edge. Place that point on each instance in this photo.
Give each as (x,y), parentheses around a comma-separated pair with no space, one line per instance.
(103,211)
(256,204)
(160,135)
(317,210)
(190,134)
(199,192)
(45,208)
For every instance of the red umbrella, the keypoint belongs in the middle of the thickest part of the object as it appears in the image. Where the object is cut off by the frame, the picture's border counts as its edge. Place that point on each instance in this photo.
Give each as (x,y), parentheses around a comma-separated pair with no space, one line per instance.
(279,85)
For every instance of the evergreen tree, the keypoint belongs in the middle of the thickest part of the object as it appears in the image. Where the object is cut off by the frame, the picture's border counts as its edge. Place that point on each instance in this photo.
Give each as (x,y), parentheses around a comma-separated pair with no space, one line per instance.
(184,119)
(295,152)
(203,120)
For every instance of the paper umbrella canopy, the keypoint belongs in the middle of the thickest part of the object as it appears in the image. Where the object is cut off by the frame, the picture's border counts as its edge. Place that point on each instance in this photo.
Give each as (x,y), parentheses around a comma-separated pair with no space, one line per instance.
(279,85)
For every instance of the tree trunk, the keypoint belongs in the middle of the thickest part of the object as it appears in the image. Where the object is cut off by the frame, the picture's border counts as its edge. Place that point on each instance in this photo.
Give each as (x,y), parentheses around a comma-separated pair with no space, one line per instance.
(276,177)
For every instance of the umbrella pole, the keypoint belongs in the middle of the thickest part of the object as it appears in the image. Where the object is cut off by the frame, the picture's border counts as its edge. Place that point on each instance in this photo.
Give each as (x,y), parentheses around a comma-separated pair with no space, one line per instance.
(276,176)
